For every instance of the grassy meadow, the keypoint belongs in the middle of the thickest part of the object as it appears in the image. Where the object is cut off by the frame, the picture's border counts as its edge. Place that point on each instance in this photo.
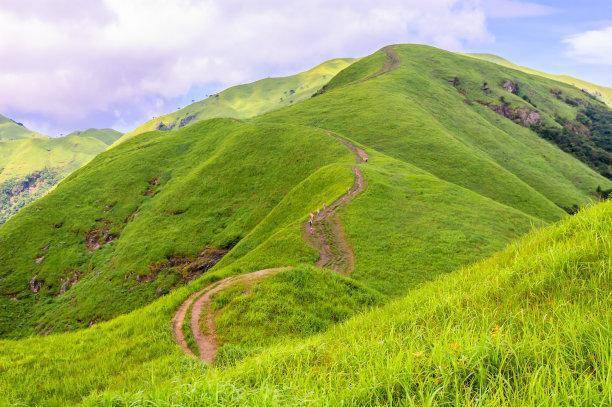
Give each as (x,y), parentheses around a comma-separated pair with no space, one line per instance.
(472,285)
(528,326)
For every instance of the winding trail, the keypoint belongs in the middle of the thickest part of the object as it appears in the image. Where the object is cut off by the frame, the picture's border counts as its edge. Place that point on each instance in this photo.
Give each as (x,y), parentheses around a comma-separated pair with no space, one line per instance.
(392,62)
(325,234)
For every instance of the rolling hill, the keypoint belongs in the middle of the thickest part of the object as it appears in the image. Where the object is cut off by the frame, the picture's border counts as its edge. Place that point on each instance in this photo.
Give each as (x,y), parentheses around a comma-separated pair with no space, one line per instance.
(12,130)
(320,251)
(31,164)
(529,325)
(248,100)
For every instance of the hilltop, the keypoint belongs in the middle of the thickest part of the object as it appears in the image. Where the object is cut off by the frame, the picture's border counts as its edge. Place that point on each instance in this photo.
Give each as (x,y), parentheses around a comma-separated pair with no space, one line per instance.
(248,100)
(12,130)
(31,163)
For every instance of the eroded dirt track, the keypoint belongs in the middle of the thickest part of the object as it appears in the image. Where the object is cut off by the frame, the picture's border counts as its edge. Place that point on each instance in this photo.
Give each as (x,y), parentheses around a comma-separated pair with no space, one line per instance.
(325,234)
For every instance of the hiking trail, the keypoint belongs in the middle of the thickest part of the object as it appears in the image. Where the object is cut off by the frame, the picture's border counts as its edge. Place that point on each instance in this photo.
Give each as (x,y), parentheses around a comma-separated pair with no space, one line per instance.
(325,235)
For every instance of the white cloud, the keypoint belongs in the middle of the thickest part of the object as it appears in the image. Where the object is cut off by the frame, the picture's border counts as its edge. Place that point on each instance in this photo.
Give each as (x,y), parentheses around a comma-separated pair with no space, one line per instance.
(72,63)
(591,46)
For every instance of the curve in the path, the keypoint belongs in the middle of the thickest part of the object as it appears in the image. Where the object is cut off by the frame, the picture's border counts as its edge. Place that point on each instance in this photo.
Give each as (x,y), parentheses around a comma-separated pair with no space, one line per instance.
(325,234)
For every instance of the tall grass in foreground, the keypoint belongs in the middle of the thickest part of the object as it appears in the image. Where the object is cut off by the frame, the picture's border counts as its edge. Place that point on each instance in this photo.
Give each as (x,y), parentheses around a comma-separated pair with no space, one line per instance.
(529,326)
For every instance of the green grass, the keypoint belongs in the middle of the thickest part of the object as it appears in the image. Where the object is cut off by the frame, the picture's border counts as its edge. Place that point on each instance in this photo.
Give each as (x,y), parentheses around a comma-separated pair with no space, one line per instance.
(217,181)
(27,156)
(290,305)
(449,182)
(528,326)
(11,130)
(417,116)
(602,92)
(248,100)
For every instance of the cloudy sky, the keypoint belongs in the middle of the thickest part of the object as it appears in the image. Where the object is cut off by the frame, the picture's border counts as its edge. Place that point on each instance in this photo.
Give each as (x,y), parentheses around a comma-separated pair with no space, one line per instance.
(67,65)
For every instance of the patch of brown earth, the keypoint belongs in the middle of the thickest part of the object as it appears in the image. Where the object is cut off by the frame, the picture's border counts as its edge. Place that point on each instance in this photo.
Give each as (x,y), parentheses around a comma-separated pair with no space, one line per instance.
(151,189)
(510,86)
(187,267)
(98,237)
(207,341)
(69,281)
(577,128)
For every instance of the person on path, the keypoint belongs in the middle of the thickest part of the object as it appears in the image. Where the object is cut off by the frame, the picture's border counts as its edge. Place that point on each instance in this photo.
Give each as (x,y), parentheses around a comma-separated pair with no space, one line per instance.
(311,219)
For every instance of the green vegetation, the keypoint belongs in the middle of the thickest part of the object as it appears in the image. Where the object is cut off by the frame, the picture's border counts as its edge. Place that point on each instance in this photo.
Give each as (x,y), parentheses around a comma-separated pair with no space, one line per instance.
(529,326)
(31,164)
(601,92)
(248,100)
(448,183)
(12,130)
(18,192)
(455,173)
(110,236)
(290,305)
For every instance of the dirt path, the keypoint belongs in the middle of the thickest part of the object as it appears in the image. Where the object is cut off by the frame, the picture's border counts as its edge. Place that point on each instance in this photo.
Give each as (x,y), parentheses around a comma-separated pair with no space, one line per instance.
(326,235)
(392,62)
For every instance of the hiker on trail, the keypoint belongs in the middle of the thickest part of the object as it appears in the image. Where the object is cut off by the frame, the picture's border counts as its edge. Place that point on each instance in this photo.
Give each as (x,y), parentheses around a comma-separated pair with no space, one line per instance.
(311,219)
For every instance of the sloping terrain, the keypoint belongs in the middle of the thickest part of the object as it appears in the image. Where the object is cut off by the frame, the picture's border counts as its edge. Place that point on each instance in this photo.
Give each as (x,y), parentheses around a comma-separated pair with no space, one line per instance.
(12,130)
(449,181)
(528,326)
(198,241)
(31,164)
(248,100)
(602,92)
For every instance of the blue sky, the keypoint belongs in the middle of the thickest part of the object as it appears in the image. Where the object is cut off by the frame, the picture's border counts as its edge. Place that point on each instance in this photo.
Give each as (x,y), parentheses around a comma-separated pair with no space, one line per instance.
(117,63)
(538,41)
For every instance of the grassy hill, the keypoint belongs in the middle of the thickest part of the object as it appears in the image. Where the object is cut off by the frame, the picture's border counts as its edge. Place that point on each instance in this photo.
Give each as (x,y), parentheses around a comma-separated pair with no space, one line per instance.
(449,182)
(458,167)
(248,100)
(31,164)
(528,326)
(602,92)
(12,130)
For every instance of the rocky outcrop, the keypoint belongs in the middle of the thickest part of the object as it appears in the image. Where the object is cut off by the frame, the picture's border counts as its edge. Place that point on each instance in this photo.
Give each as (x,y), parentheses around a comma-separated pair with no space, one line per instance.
(36,284)
(164,127)
(510,86)
(521,115)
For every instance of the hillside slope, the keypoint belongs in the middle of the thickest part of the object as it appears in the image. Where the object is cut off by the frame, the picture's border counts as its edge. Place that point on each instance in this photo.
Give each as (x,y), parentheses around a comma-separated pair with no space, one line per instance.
(449,181)
(602,92)
(248,100)
(12,130)
(528,326)
(31,164)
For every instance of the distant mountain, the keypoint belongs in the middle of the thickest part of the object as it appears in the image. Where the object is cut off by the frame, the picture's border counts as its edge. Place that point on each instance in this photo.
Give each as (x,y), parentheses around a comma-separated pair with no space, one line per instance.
(248,100)
(12,130)
(31,163)
(602,92)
